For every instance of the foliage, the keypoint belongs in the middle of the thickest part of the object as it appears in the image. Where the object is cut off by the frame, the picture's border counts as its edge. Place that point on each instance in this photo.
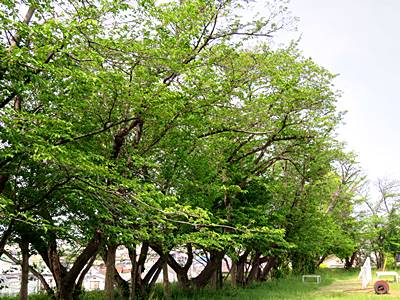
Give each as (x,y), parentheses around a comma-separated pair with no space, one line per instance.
(145,122)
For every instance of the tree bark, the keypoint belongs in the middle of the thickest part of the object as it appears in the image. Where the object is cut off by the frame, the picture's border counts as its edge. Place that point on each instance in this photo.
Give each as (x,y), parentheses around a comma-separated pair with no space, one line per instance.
(234,274)
(166,287)
(255,266)
(23,292)
(78,285)
(239,269)
(137,288)
(220,277)
(6,235)
(271,263)
(65,280)
(380,260)
(213,280)
(181,272)
(132,257)
(153,271)
(154,278)
(216,280)
(110,269)
(204,277)
(54,264)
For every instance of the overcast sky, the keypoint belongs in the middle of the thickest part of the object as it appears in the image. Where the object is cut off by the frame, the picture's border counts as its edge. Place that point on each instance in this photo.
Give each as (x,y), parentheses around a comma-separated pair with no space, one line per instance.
(360,40)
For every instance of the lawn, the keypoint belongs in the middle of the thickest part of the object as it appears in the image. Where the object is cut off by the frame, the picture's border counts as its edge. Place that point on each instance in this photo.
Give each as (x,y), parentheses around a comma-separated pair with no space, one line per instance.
(336,284)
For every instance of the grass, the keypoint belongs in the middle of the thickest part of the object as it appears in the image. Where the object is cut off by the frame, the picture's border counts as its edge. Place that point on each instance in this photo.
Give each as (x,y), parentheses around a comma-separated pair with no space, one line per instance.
(31,297)
(336,284)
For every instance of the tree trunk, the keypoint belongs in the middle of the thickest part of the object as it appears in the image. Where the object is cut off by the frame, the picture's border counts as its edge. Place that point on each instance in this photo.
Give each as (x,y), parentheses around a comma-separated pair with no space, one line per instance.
(380,260)
(54,264)
(110,269)
(254,268)
(132,257)
(181,272)
(234,274)
(350,261)
(213,280)
(166,287)
(66,292)
(204,277)
(237,272)
(240,277)
(78,286)
(321,260)
(153,273)
(272,262)
(65,280)
(6,234)
(137,288)
(35,273)
(23,292)
(216,280)
(220,277)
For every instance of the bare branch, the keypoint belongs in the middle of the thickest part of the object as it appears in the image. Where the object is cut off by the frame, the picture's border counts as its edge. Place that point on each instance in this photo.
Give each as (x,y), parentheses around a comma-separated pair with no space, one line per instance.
(29,14)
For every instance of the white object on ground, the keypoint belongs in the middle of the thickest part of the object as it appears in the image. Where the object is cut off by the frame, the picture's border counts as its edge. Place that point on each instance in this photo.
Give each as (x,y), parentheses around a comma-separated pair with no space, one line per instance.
(318,277)
(365,273)
(388,273)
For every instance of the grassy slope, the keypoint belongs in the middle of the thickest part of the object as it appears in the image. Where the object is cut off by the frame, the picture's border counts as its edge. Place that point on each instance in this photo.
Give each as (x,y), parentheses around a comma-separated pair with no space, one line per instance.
(336,284)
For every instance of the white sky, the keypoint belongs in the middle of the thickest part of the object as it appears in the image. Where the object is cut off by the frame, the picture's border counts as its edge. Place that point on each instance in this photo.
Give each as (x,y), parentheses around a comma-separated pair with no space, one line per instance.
(360,40)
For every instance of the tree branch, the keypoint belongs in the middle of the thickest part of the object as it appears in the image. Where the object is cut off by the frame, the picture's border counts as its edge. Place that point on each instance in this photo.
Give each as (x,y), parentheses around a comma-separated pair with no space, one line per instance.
(37,274)
(95,132)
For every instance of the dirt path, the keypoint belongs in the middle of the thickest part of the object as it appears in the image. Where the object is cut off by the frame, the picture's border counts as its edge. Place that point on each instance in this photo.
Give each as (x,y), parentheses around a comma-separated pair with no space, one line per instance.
(353,286)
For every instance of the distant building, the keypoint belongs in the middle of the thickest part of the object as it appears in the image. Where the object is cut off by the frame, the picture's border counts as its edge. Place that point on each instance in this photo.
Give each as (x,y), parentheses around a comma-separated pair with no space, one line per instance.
(333,262)
(94,280)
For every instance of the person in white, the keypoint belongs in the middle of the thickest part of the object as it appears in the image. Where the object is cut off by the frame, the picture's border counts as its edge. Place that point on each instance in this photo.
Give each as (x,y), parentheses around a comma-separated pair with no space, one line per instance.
(365,273)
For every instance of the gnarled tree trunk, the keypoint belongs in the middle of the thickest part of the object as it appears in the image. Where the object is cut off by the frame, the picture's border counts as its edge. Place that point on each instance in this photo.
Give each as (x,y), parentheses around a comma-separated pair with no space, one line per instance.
(65,280)
(204,277)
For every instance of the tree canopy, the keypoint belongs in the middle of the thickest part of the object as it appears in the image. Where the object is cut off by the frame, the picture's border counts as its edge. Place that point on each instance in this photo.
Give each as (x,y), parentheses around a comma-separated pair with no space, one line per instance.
(167,124)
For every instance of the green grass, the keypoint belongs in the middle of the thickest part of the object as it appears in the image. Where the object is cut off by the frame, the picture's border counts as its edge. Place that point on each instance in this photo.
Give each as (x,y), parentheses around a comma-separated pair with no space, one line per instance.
(291,287)
(336,284)
(31,297)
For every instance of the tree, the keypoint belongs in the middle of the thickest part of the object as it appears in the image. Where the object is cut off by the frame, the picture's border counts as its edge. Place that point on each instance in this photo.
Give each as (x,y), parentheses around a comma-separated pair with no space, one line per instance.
(381,220)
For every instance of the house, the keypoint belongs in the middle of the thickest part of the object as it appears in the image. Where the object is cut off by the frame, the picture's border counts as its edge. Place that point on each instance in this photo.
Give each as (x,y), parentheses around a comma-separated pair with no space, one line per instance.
(94,280)
(333,262)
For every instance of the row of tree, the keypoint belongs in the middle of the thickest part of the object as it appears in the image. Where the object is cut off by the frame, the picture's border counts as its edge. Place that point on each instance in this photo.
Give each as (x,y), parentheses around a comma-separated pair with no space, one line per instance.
(167,125)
